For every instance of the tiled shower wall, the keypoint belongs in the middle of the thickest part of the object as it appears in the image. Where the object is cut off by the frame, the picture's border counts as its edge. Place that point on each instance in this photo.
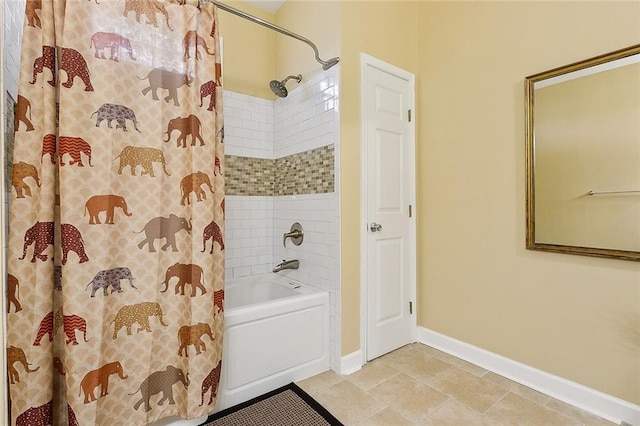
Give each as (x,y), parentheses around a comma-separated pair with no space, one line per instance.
(11,41)
(248,144)
(13,16)
(288,146)
(279,153)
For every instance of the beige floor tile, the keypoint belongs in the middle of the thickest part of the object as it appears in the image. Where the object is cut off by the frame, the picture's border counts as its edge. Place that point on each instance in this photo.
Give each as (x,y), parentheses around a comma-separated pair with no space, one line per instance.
(411,398)
(455,413)
(428,349)
(348,402)
(517,410)
(517,388)
(420,385)
(372,374)
(450,359)
(402,350)
(576,413)
(473,391)
(320,381)
(386,417)
(415,363)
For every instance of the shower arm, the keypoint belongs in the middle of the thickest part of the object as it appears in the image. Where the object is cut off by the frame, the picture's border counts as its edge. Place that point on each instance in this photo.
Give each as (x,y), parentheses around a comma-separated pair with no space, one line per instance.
(297,78)
(325,64)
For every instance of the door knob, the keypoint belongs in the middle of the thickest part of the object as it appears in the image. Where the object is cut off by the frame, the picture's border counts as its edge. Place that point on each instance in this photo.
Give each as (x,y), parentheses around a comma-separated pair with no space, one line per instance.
(375,227)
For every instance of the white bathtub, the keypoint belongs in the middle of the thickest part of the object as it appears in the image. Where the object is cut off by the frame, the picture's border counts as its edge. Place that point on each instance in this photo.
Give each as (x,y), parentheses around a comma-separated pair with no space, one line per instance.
(276,332)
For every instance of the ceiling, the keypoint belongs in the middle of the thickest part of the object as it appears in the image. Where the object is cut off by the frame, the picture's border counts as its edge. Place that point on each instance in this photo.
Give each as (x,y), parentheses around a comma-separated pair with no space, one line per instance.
(270,6)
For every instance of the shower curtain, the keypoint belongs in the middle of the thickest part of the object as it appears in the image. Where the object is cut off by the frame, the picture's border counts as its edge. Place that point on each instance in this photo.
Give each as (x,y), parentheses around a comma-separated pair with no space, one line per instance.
(116,250)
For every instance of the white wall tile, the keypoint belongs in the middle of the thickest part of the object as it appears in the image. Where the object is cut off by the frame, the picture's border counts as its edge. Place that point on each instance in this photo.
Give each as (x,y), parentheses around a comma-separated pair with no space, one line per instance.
(13,18)
(247,129)
(299,117)
(317,253)
(11,43)
(249,235)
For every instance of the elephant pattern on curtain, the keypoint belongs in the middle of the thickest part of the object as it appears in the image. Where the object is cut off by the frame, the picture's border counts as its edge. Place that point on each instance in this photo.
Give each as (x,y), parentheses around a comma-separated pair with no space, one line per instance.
(116,232)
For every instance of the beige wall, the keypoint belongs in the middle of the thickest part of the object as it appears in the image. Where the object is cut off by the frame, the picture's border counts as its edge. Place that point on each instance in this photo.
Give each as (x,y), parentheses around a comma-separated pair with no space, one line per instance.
(317,21)
(386,30)
(255,55)
(573,316)
(249,58)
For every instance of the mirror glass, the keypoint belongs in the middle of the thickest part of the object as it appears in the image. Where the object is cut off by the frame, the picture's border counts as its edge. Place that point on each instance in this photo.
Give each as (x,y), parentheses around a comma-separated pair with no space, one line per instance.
(583,157)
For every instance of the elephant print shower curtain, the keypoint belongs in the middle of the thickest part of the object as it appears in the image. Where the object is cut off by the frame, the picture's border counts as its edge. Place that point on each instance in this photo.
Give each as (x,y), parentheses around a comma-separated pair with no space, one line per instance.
(115,272)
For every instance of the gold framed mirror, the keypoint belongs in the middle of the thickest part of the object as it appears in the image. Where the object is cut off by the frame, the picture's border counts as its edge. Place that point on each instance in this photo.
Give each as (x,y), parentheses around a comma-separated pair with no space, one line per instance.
(582,135)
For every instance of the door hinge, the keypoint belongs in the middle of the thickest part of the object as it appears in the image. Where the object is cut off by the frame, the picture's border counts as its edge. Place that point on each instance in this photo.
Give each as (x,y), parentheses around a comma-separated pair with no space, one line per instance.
(410,213)
(409,115)
(410,308)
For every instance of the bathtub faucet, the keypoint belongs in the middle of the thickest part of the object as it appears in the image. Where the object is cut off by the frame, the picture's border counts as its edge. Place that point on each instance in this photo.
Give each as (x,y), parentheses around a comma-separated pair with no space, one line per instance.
(287,264)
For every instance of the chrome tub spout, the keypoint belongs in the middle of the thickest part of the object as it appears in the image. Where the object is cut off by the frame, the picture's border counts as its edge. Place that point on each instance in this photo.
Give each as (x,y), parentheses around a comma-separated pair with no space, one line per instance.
(287,264)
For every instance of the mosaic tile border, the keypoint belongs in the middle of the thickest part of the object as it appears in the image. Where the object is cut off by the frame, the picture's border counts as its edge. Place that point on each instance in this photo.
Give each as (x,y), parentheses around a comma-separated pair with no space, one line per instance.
(249,176)
(308,172)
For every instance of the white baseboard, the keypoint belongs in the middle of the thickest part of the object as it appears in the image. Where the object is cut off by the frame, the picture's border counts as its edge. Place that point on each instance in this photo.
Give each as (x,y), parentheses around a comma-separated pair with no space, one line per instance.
(596,402)
(351,363)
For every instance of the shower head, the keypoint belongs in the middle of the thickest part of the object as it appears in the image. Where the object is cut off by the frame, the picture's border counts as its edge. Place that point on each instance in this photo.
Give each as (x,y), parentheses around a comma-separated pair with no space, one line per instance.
(278,87)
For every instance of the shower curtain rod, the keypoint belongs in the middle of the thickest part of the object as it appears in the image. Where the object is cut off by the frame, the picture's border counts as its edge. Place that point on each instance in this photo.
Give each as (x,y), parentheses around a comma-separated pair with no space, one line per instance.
(325,64)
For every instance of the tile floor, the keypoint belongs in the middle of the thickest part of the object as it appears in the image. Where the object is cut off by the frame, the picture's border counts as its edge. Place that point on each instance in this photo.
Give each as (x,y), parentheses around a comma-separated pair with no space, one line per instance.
(419,385)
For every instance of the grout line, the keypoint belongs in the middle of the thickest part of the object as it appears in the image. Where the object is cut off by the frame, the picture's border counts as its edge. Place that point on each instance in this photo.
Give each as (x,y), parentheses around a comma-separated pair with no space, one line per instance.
(398,372)
(322,387)
(436,408)
(545,405)
(376,412)
(495,403)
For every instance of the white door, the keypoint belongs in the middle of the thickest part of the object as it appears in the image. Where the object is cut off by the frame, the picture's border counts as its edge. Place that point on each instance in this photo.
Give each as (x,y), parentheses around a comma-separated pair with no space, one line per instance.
(388,204)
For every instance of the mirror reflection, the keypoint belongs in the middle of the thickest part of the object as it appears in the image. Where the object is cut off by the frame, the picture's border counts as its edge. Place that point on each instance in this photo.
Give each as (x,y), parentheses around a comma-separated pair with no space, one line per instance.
(583,157)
